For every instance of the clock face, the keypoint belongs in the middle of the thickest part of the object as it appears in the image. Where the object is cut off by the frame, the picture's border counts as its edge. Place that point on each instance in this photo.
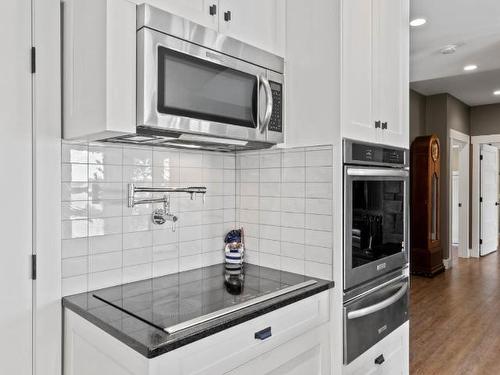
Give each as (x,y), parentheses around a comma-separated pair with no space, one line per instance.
(435,150)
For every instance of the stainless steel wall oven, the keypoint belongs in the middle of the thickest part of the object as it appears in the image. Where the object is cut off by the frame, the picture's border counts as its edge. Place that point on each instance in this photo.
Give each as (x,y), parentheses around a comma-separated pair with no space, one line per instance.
(376,198)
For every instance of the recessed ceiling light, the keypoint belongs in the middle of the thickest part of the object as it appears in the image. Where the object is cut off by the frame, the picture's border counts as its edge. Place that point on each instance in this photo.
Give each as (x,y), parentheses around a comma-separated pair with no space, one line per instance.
(469,68)
(418,22)
(496,92)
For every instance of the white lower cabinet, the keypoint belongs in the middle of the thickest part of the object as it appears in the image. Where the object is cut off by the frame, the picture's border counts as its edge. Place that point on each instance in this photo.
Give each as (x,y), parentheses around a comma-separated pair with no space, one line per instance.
(394,349)
(300,344)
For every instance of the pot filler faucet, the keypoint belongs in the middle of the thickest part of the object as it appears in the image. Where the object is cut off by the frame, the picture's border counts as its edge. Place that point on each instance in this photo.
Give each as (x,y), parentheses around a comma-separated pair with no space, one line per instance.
(161,215)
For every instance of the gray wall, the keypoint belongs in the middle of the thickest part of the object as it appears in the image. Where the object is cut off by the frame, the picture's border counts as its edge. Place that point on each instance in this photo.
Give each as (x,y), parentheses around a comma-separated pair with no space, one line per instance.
(417,115)
(485,119)
(437,114)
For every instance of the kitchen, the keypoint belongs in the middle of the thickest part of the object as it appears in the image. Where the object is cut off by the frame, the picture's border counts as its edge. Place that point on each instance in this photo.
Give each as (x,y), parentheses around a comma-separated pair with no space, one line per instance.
(155,129)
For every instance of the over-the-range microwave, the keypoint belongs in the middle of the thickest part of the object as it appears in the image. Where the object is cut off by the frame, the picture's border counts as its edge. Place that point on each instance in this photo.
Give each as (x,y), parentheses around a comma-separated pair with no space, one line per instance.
(195,87)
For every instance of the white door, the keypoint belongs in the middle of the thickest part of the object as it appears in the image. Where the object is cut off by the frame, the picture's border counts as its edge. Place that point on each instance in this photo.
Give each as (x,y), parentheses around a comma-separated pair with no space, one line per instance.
(257,22)
(391,70)
(15,188)
(358,117)
(455,211)
(489,196)
(203,12)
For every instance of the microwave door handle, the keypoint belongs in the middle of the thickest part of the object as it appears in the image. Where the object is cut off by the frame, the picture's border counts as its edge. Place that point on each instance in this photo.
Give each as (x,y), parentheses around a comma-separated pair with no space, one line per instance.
(379,306)
(269,103)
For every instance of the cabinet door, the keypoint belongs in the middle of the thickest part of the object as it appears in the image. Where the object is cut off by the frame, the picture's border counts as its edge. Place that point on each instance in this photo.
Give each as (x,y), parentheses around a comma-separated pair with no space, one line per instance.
(195,10)
(306,354)
(16,188)
(391,67)
(257,22)
(358,119)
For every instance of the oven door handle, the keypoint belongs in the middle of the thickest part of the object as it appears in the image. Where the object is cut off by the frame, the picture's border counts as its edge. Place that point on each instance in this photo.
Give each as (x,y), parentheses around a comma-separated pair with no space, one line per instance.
(269,103)
(373,172)
(379,306)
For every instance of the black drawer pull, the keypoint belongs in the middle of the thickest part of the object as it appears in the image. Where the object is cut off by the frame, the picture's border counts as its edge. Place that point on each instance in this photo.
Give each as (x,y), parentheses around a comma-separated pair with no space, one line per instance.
(377,124)
(227,16)
(264,334)
(380,359)
(213,10)
(384,125)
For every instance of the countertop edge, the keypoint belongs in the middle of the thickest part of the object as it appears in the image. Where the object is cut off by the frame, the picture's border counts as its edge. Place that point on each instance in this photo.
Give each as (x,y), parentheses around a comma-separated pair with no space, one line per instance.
(152,352)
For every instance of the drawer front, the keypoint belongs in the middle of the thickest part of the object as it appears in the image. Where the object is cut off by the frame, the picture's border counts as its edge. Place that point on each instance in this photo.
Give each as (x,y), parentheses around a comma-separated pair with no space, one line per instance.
(234,346)
(388,357)
(373,317)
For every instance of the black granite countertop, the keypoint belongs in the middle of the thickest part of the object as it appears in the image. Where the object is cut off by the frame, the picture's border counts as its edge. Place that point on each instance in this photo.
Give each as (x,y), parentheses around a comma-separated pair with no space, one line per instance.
(137,313)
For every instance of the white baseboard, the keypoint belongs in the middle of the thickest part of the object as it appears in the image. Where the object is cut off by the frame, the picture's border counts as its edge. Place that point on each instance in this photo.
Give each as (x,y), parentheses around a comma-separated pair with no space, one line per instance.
(447,263)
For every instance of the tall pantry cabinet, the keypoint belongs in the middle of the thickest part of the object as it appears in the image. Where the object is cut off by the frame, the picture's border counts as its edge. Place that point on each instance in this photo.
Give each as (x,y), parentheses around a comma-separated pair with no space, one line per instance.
(361,46)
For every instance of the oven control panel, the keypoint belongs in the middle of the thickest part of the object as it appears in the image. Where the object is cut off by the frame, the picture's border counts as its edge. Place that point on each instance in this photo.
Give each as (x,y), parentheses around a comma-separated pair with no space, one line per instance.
(276,123)
(366,153)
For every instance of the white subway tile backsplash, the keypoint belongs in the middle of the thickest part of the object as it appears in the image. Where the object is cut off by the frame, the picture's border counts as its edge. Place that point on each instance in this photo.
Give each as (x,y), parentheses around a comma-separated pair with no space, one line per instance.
(318,158)
(108,154)
(74,247)
(105,261)
(320,270)
(103,226)
(74,153)
(319,206)
(141,156)
(74,266)
(105,244)
(74,191)
(74,172)
(282,199)
(319,174)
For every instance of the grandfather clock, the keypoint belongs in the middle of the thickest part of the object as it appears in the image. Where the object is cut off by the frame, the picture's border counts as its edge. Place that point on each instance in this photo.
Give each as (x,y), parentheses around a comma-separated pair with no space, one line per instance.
(426,253)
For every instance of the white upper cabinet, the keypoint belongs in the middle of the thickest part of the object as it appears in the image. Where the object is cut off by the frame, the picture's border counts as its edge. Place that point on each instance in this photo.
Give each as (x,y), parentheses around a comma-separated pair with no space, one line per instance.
(358,119)
(375,71)
(393,71)
(257,22)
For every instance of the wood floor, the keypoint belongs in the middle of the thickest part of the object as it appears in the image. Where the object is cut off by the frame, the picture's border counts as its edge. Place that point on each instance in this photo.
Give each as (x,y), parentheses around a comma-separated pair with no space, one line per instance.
(455,320)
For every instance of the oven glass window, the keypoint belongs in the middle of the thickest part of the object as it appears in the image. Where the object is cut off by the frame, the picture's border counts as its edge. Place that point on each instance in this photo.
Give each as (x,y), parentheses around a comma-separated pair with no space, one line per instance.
(378,220)
(196,88)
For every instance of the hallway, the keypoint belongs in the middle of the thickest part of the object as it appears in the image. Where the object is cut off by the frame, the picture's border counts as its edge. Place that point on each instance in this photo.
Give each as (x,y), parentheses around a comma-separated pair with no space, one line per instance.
(455,320)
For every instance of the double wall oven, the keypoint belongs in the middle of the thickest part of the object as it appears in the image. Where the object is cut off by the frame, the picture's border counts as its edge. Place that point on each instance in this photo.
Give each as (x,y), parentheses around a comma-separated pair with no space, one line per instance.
(376,204)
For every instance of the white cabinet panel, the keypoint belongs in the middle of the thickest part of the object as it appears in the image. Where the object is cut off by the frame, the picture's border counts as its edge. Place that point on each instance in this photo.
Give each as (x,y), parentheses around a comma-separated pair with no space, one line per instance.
(257,22)
(391,69)
(395,351)
(357,74)
(16,188)
(306,354)
(195,10)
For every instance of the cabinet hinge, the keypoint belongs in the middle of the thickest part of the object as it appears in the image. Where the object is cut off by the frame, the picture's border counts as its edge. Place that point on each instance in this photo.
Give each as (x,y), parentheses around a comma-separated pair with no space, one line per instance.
(481,157)
(481,200)
(480,242)
(33,60)
(33,266)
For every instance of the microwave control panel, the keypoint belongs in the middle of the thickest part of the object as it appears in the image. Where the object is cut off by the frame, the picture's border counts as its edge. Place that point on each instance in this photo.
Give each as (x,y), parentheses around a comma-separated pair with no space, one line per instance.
(276,122)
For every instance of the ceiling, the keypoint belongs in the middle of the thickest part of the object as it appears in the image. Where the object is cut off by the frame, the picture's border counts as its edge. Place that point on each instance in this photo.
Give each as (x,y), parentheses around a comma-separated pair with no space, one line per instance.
(474,25)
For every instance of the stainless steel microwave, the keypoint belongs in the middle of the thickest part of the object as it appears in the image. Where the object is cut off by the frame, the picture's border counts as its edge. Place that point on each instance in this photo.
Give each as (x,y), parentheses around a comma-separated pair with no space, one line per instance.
(196,86)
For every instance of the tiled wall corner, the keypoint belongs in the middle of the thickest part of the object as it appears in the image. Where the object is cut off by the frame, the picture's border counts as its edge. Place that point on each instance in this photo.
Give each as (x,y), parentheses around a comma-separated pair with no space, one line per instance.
(284,203)
(106,243)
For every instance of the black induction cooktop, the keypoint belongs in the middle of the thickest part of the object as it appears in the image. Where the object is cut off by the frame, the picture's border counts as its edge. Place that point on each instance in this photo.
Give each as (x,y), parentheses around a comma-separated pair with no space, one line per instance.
(161,314)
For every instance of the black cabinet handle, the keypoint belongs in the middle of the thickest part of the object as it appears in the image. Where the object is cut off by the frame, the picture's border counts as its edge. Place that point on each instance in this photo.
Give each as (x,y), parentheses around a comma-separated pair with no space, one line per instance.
(264,334)
(213,10)
(496,203)
(384,125)
(227,16)
(377,124)
(380,359)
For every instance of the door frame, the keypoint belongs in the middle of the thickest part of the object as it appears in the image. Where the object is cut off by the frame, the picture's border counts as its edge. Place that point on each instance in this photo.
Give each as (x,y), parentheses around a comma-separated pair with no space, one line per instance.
(476,142)
(464,140)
